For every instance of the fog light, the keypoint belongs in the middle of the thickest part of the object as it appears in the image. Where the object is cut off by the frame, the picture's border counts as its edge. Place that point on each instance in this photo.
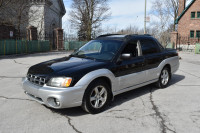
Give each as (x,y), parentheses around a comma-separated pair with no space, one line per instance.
(54,102)
(57,102)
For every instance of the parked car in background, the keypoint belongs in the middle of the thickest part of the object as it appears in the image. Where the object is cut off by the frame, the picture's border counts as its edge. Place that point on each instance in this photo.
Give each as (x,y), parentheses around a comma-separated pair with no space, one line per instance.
(100,70)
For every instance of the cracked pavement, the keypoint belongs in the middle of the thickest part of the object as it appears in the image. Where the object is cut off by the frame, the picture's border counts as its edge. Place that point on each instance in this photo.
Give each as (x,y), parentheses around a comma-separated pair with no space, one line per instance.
(175,109)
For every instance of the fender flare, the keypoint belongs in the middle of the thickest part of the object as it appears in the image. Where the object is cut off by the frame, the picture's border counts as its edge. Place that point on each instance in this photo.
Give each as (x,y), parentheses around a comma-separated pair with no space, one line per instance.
(89,77)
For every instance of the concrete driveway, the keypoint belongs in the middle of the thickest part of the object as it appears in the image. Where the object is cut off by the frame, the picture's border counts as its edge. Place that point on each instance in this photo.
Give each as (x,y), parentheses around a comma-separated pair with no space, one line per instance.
(175,109)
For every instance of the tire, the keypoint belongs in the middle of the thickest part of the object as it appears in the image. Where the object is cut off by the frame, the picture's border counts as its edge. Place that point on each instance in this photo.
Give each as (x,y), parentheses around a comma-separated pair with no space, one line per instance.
(97,97)
(164,78)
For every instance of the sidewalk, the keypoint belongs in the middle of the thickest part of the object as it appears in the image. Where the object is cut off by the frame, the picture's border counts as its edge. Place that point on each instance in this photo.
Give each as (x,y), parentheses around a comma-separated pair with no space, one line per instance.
(35,54)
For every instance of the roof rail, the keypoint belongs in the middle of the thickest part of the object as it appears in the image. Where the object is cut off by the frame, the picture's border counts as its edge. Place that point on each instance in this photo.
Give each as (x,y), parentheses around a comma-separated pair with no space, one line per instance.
(147,34)
(140,34)
(123,34)
(108,35)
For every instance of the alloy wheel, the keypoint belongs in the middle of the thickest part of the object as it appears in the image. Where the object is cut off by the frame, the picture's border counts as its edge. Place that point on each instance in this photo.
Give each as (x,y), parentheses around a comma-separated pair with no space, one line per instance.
(165,77)
(98,97)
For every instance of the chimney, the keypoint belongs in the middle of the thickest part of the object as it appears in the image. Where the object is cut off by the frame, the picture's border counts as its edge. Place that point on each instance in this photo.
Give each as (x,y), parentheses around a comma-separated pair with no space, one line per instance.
(181,6)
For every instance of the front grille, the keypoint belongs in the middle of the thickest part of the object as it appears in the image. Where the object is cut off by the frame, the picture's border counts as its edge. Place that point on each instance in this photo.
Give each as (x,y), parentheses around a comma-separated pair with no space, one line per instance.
(36,79)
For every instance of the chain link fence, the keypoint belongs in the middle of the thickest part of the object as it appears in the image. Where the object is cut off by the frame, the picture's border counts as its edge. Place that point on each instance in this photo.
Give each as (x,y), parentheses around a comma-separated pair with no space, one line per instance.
(73,45)
(197,48)
(9,47)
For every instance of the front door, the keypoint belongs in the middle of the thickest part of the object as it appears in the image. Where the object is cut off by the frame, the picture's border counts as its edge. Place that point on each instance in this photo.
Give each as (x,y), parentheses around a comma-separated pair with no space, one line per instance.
(130,72)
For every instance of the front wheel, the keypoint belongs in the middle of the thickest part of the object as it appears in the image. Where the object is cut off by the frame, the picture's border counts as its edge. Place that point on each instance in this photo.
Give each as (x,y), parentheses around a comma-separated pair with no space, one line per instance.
(164,78)
(96,97)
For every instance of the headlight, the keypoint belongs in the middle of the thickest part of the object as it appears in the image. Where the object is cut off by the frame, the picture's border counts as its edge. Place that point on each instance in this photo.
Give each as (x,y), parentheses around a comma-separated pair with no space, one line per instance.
(60,82)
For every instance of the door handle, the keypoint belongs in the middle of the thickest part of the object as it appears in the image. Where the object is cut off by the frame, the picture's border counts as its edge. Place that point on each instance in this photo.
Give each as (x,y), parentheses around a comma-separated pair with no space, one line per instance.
(143,64)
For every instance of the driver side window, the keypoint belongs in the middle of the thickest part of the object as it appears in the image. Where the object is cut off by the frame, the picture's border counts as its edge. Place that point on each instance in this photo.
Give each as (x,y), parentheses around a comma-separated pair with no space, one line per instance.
(131,48)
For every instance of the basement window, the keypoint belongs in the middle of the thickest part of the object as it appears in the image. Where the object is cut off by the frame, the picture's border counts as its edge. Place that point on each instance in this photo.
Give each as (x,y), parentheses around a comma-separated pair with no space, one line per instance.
(192,14)
(198,34)
(191,34)
(198,14)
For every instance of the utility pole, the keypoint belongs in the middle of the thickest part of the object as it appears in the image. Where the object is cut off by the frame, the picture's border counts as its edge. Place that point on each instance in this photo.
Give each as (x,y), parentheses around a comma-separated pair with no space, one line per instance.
(145,17)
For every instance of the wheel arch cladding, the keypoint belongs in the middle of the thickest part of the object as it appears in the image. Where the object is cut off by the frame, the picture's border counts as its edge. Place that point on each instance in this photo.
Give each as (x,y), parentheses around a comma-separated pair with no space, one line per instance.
(168,66)
(106,79)
(91,76)
(105,74)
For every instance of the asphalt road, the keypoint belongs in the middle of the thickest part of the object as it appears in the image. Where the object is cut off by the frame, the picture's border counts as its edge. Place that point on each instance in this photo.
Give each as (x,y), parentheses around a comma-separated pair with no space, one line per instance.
(175,109)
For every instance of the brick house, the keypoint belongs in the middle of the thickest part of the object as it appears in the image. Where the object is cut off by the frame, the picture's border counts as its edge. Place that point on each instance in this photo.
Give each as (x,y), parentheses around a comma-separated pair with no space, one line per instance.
(188,22)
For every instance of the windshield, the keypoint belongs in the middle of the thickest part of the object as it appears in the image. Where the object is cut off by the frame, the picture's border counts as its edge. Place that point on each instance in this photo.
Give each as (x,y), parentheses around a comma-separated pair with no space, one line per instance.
(99,49)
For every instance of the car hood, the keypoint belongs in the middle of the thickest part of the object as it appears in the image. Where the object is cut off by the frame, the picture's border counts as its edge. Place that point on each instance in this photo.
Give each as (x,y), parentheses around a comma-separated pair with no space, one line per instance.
(69,64)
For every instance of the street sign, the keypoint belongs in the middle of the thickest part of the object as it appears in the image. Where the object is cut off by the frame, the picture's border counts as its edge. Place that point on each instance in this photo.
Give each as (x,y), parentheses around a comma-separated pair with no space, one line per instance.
(147,19)
(11,33)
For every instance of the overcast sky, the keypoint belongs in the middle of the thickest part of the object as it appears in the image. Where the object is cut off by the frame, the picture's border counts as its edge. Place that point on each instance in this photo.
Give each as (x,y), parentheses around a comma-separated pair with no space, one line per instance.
(124,13)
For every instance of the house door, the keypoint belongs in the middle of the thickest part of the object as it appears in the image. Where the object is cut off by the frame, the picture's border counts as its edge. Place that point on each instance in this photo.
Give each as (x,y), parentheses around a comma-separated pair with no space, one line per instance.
(53,36)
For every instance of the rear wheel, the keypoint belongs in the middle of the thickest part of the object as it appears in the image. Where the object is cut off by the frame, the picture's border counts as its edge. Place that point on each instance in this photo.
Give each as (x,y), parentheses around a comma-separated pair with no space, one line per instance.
(96,97)
(164,78)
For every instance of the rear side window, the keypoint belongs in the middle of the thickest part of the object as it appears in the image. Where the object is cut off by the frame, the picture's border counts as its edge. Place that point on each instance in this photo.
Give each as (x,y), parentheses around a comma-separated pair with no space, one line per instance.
(149,47)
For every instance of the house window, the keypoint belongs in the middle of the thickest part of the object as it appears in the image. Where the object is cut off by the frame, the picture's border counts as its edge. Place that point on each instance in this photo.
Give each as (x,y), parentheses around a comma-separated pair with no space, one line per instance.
(192,34)
(192,14)
(198,34)
(198,14)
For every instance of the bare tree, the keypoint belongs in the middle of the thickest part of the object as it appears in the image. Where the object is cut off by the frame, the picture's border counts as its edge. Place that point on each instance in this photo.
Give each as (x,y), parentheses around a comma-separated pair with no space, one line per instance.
(167,12)
(87,15)
(70,34)
(172,7)
(3,6)
(167,7)
(4,3)
(163,15)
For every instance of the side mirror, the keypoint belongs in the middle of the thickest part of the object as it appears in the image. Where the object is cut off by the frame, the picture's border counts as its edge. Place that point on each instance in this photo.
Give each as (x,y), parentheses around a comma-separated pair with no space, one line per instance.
(126,56)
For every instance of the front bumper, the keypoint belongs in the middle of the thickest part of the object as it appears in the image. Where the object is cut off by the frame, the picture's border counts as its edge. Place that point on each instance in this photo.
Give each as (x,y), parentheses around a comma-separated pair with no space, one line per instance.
(67,97)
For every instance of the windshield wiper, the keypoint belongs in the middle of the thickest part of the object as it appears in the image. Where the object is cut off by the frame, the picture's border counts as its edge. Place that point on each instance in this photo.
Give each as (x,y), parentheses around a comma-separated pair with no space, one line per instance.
(83,56)
(87,57)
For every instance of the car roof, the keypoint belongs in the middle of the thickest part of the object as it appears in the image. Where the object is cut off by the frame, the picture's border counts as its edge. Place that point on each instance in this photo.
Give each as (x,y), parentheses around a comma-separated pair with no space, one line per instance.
(122,37)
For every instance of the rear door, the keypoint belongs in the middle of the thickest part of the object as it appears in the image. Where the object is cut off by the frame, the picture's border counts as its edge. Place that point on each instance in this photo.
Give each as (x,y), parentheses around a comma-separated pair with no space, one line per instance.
(153,57)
